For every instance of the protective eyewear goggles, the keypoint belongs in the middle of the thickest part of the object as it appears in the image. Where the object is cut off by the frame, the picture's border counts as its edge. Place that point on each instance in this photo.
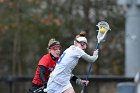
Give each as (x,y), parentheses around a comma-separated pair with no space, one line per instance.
(56,47)
(82,43)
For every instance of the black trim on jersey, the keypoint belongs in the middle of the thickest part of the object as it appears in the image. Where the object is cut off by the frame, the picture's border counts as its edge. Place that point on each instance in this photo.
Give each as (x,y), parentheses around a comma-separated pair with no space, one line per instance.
(53,57)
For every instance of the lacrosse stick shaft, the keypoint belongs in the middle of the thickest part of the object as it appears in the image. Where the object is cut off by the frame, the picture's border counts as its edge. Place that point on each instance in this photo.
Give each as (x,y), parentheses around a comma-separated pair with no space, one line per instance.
(39,89)
(83,89)
(97,46)
(100,37)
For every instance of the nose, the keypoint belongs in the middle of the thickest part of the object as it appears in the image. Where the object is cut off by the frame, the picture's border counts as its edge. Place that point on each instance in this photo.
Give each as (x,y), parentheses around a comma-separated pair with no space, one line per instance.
(58,50)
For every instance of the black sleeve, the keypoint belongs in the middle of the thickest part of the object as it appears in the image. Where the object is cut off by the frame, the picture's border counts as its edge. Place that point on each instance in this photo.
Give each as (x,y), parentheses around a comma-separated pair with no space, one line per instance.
(74,78)
(42,73)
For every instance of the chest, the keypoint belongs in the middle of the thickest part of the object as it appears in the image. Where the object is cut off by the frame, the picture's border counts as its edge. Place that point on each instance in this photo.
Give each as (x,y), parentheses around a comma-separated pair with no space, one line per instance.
(51,66)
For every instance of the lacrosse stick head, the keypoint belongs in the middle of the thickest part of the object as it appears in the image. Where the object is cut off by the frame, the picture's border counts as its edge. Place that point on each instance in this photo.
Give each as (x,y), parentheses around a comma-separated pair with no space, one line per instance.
(103,28)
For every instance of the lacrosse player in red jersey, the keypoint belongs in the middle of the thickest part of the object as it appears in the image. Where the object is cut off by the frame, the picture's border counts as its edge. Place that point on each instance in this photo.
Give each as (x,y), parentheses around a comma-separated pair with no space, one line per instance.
(59,80)
(46,65)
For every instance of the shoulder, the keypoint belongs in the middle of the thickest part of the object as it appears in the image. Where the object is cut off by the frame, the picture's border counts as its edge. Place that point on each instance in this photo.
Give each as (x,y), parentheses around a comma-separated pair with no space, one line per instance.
(45,60)
(72,47)
(47,56)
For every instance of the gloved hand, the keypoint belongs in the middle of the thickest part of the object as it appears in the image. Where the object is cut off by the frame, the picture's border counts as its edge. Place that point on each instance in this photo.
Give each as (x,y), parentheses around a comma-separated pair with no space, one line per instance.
(82,82)
(95,54)
(45,85)
(85,82)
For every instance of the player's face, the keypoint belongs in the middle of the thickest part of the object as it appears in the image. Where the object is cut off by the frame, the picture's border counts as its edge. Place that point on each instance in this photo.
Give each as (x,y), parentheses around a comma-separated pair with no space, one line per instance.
(82,45)
(55,50)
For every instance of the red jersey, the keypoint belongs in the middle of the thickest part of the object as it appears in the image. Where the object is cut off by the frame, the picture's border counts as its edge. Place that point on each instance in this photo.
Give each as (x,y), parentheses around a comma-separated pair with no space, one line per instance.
(47,62)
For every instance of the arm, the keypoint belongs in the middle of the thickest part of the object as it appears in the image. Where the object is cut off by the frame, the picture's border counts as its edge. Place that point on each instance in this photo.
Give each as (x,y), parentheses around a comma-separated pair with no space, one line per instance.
(42,73)
(91,58)
(78,80)
(73,78)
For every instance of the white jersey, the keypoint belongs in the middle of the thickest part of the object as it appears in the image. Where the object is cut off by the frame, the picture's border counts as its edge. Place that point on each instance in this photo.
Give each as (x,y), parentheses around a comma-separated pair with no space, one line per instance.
(59,79)
(66,64)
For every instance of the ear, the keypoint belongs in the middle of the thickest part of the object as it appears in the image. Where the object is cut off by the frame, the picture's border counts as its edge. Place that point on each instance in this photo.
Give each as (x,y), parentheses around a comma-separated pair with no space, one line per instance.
(49,50)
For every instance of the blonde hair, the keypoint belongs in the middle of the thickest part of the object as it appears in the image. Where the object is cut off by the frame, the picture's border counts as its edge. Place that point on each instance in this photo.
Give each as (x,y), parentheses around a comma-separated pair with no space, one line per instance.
(53,42)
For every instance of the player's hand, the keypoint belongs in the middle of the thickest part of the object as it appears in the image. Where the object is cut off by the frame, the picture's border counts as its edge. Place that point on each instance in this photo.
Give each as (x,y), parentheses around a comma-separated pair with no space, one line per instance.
(95,52)
(84,82)
(45,85)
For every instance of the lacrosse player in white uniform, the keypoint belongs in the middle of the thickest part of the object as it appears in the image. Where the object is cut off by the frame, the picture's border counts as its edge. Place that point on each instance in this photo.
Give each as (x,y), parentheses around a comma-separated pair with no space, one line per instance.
(59,80)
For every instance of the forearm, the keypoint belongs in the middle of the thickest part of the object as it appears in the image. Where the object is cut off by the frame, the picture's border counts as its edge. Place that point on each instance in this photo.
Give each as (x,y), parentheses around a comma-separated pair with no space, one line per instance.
(76,79)
(90,58)
(73,78)
(42,74)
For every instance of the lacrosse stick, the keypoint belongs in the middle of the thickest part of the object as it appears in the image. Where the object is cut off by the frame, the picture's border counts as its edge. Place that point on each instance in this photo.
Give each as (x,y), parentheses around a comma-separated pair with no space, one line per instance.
(38,90)
(103,28)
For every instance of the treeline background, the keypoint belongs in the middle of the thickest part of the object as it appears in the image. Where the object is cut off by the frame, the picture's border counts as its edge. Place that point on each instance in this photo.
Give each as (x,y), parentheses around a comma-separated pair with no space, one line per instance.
(27,25)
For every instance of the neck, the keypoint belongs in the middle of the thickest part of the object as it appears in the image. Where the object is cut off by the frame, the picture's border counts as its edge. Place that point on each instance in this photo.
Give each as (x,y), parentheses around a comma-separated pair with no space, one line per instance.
(54,58)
